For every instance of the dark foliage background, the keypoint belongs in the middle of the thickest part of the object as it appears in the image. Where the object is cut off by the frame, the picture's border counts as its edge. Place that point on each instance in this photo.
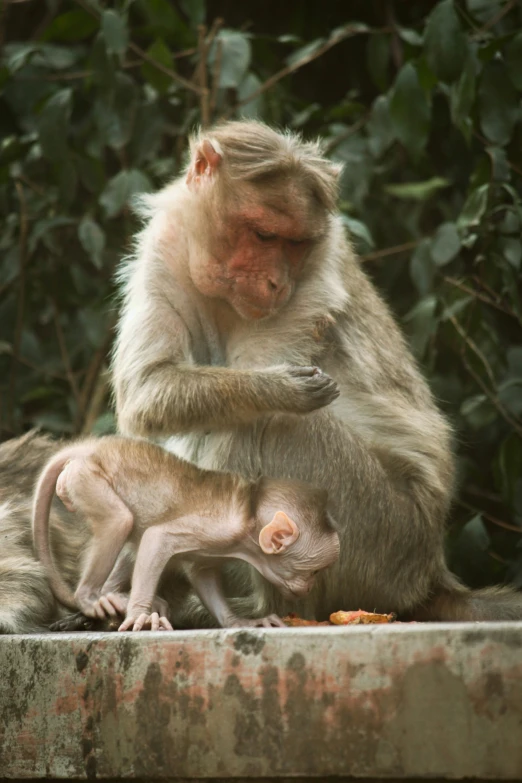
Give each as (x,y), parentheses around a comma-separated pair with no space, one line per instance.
(420,100)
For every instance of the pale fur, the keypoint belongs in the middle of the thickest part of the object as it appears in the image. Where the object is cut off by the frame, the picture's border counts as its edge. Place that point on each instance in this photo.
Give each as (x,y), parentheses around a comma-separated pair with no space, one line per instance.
(134,492)
(186,364)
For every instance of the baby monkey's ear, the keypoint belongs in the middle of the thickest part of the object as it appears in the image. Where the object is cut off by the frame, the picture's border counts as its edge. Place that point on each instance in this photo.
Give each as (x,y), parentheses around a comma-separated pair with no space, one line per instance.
(206,157)
(278,535)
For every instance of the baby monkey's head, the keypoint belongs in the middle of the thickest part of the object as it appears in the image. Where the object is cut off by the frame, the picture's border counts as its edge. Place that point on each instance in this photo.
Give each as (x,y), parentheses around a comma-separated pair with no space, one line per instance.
(296,534)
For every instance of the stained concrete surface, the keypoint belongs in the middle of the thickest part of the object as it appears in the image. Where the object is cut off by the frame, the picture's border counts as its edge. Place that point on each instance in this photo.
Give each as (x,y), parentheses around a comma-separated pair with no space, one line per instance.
(414,701)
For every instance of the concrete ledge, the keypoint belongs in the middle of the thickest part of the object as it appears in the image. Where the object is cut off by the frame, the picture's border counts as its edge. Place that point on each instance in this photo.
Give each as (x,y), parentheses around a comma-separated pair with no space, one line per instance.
(400,701)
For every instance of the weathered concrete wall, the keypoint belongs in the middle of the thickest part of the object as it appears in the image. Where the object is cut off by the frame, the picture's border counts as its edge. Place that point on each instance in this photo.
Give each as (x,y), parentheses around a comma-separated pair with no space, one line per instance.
(439,701)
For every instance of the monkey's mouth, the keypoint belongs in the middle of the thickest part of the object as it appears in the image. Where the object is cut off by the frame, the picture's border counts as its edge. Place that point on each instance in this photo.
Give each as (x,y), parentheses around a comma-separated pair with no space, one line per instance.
(252,312)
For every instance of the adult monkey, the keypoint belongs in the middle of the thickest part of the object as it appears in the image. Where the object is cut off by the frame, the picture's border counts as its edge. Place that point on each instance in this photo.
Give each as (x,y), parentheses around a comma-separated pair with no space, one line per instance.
(242,281)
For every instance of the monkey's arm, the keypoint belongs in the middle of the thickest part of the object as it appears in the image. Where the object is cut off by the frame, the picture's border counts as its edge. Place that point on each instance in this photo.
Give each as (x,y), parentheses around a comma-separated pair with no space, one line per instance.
(161,390)
(206,581)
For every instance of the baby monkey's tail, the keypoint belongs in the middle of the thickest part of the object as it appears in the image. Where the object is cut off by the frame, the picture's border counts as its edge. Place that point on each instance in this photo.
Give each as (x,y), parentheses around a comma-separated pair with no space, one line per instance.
(43,498)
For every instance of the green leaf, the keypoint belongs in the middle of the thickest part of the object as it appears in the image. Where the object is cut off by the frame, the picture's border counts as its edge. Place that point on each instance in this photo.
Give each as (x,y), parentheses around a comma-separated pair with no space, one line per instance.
(514,60)
(514,358)
(478,411)
(422,269)
(378,59)
(411,37)
(445,43)
(115,112)
(195,10)
(500,171)
(360,230)
(423,323)
(410,111)
(115,31)
(92,239)
(236,53)
(456,308)
(462,97)
(104,425)
(16,55)
(510,395)
(159,52)
(57,58)
(379,127)
(304,52)
(73,25)
(484,10)
(53,125)
(418,191)
(509,466)
(512,250)
(445,244)
(121,189)
(102,66)
(498,102)
(474,208)
(248,86)
(164,20)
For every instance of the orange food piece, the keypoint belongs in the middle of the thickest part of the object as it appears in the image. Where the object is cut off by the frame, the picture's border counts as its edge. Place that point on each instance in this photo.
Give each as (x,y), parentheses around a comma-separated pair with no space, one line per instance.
(360,617)
(294,621)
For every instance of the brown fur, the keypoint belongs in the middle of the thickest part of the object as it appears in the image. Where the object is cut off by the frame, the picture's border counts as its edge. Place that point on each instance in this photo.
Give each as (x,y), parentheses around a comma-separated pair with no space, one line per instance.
(193,358)
(220,371)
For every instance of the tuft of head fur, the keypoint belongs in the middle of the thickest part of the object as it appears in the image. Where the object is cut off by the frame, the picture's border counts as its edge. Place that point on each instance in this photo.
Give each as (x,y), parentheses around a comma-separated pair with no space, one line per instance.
(254,152)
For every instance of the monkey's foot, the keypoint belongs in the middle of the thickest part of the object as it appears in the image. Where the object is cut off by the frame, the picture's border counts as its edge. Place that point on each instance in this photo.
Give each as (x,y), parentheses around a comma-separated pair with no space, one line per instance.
(80,622)
(270,621)
(145,622)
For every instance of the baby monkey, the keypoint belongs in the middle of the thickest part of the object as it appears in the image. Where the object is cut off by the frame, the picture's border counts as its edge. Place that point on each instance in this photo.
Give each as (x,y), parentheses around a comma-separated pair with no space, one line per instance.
(134,492)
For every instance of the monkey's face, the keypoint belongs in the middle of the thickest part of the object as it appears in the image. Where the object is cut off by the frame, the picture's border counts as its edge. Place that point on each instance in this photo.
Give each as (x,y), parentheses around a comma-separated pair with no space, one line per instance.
(294,572)
(257,253)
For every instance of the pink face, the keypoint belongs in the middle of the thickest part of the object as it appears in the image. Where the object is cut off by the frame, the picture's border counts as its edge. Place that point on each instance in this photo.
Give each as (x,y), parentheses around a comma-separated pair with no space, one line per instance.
(255,260)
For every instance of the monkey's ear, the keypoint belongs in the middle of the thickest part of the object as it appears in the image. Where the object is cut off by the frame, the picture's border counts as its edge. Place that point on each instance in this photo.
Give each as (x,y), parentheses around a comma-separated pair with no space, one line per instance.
(278,535)
(205,161)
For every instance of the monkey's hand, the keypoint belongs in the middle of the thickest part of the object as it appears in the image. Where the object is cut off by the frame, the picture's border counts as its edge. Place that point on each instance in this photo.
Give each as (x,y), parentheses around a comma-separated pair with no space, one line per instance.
(145,622)
(270,621)
(107,605)
(305,389)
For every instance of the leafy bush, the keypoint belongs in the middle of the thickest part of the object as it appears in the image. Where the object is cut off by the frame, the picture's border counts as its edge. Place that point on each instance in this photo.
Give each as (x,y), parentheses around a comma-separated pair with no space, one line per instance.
(421,102)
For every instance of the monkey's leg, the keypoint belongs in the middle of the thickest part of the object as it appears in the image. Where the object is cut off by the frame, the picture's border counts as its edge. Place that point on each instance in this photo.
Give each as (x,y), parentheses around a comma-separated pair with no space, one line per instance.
(158,544)
(89,492)
(391,520)
(206,581)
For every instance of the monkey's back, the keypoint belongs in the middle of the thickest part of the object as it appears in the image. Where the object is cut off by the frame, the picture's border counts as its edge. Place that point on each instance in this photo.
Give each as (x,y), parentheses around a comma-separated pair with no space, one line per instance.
(158,486)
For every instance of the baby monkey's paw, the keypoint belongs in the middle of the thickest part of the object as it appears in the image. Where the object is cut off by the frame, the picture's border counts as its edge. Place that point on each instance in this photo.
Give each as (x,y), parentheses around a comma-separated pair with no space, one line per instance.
(145,622)
(270,621)
(107,605)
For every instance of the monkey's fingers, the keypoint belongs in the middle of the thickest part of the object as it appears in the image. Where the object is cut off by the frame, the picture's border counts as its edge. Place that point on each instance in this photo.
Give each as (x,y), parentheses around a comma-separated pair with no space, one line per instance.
(321,391)
(105,604)
(273,621)
(305,372)
(142,620)
(164,624)
(128,623)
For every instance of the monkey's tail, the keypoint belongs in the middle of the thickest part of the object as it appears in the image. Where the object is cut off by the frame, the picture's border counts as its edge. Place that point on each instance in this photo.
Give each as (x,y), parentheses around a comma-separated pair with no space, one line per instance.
(43,498)
(454,602)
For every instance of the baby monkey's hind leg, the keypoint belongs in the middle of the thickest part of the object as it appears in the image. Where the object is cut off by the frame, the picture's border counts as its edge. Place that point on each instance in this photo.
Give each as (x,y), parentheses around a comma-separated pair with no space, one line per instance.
(84,488)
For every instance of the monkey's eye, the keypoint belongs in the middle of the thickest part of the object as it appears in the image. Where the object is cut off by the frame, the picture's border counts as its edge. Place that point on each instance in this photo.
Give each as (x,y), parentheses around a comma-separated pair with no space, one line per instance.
(296,242)
(265,237)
